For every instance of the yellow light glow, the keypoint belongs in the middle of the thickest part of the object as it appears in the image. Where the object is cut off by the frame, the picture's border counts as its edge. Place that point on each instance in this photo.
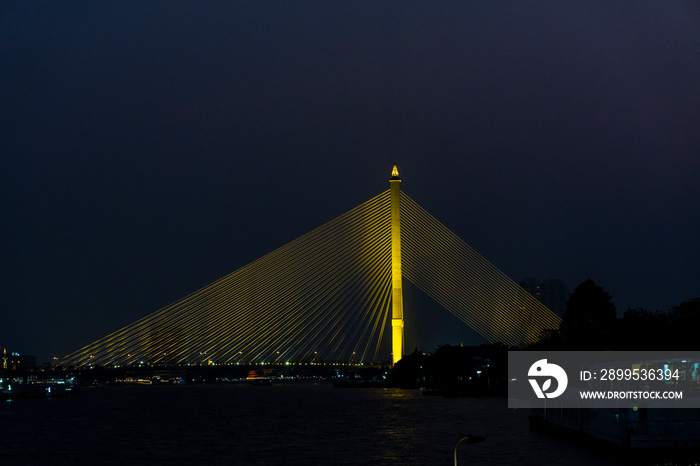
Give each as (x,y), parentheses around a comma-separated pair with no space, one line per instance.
(328,294)
(397,330)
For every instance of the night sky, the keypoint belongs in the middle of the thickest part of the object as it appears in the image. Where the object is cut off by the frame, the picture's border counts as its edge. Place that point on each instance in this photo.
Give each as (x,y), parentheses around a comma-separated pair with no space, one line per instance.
(149,148)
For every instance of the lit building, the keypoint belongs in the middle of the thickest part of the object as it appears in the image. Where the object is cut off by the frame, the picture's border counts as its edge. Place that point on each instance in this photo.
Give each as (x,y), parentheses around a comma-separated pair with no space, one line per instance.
(531,285)
(14,361)
(552,292)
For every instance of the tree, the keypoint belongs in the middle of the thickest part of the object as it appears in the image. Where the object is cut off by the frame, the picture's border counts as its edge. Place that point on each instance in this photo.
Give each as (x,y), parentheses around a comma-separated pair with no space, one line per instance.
(684,321)
(589,319)
(643,330)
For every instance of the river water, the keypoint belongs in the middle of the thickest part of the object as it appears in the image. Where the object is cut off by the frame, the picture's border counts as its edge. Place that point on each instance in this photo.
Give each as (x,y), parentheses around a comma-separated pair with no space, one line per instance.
(294,424)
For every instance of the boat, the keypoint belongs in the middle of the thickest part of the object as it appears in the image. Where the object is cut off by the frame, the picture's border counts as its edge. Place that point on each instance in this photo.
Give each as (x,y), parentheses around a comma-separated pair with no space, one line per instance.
(48,388)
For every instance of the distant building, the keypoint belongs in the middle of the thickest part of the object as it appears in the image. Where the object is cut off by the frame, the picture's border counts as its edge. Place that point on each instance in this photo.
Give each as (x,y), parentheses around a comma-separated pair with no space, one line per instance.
(532,286)
(552,292)
(10,361)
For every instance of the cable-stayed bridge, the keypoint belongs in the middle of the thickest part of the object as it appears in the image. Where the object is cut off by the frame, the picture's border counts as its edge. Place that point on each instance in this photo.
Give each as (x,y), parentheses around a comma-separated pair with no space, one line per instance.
(331,292)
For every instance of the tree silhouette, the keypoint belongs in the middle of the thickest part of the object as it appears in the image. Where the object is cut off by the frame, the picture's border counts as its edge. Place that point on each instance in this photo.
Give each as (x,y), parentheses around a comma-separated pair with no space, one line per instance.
(684,321)
(589,319)
(643,330)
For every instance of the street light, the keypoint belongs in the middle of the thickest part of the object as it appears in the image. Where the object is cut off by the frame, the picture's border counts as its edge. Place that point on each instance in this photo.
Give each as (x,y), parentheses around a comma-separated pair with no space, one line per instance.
(470,439)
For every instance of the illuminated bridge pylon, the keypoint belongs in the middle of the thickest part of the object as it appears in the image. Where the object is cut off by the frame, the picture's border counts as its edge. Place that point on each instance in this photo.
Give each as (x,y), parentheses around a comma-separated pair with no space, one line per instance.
(327,295)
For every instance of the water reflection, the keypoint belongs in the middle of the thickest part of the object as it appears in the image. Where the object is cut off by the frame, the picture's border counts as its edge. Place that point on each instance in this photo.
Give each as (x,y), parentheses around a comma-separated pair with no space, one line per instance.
(292,425)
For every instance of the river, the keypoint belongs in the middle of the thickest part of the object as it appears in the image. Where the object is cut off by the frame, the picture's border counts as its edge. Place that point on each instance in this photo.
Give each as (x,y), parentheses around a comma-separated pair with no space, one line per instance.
(283,424)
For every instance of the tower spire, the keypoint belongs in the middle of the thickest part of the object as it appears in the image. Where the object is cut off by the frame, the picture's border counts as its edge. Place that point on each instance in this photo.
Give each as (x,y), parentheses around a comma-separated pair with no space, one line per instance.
(395,173)
(396,287)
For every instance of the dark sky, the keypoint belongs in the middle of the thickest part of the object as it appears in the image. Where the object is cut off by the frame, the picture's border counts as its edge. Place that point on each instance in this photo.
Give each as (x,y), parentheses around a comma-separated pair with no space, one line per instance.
(149,148)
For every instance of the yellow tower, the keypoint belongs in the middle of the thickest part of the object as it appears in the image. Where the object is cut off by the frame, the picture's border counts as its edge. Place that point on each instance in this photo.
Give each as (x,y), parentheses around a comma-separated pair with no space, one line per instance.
(396,288)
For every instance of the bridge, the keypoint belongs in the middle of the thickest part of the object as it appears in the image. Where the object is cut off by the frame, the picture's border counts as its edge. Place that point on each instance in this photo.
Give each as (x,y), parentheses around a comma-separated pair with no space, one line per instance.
(331,292)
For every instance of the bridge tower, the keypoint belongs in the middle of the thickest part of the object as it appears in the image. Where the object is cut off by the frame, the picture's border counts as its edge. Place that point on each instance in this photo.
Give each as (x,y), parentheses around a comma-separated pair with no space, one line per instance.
(396,288)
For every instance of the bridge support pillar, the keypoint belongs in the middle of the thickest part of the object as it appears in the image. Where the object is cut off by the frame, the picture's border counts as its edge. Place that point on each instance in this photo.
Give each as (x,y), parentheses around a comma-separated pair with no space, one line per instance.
(396,288)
